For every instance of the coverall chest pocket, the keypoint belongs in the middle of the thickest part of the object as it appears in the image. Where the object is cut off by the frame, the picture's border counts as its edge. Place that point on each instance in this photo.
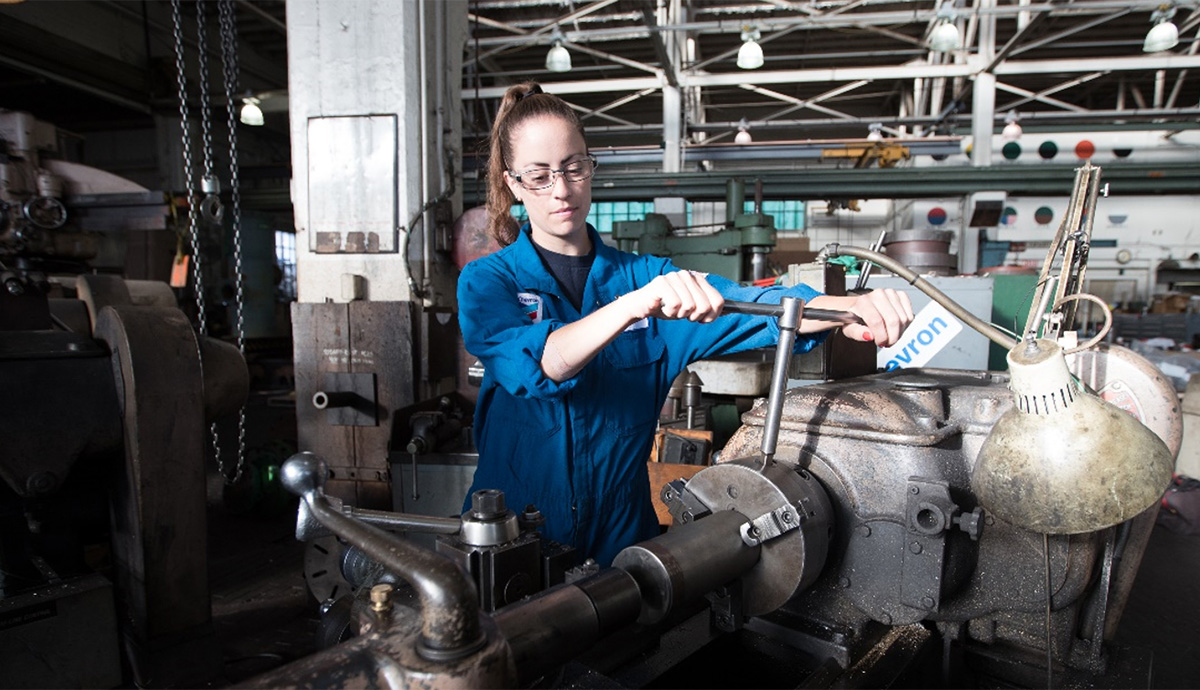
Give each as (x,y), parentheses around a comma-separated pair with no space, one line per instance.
(525,417)
(630,381)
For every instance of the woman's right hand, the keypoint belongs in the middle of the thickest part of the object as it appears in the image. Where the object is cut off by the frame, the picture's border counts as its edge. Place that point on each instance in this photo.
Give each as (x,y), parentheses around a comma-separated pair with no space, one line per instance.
(676,295)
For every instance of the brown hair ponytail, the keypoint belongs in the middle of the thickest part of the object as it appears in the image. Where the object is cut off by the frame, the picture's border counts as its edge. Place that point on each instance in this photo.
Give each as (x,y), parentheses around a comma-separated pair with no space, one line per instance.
(519,103)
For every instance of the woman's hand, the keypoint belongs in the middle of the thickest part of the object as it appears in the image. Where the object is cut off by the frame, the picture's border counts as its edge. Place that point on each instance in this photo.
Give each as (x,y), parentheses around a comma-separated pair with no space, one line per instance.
(885,312)
(677,295)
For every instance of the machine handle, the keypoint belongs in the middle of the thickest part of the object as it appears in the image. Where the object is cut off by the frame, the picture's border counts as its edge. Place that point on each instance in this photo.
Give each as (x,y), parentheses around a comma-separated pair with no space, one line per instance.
(776,310)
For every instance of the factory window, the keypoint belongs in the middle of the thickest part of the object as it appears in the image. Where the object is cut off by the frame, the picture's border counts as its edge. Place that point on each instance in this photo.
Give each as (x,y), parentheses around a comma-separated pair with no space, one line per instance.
(603,213)
(285,262)
(789,215)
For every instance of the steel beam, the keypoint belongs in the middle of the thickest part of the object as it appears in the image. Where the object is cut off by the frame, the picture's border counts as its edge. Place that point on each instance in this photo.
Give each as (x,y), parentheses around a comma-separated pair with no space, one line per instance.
(912,70)
(881,183)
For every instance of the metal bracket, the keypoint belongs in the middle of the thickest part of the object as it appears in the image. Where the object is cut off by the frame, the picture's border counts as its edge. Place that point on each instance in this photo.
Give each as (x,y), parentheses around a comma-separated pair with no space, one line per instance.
(772,524)
(930,514)
(681,504)
(348,399)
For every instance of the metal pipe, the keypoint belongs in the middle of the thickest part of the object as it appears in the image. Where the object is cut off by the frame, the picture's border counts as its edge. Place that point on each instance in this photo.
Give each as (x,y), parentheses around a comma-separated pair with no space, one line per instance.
(406,521)
(450,626)
(776,310)
(991,332)
(423,157)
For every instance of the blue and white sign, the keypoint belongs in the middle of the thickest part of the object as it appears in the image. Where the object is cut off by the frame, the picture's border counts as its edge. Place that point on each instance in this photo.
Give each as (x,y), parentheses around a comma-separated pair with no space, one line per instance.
(930,332)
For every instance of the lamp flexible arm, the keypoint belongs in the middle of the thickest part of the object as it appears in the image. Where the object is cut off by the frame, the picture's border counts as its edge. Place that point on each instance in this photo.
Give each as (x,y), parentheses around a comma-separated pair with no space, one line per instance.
(991,332)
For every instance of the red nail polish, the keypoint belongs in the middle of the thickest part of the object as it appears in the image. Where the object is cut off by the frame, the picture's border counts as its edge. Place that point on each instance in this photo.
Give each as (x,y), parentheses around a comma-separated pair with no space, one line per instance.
(868,337)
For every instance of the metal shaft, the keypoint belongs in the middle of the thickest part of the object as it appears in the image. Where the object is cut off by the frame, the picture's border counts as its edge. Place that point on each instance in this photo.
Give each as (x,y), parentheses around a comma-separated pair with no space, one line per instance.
(788,323)
(406,521)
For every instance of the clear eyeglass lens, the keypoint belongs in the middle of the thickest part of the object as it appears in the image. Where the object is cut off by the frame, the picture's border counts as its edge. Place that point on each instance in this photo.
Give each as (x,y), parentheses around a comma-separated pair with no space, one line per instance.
(541,178)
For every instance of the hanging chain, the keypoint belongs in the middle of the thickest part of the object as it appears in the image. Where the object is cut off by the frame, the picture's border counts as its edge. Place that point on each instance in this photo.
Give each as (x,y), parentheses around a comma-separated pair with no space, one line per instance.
(208,185)
(188,179)
(210,208)
(229,57)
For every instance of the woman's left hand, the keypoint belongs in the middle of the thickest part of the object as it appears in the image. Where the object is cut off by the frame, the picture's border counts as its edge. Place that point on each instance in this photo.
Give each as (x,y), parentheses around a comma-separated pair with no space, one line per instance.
(885,313)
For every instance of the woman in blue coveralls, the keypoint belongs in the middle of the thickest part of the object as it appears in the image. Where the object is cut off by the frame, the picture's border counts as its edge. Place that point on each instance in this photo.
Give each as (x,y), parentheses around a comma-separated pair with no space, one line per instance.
(580,342)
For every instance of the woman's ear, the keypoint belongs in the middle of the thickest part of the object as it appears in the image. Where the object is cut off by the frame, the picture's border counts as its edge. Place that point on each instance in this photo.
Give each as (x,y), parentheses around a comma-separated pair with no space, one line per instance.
(513,186)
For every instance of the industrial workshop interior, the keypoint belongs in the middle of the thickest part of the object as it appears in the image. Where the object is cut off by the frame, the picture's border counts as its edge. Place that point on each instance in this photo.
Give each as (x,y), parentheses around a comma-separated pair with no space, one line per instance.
(239,433)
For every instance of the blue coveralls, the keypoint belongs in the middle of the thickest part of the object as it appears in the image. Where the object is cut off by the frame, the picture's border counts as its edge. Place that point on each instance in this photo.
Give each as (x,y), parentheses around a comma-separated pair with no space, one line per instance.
(578,449)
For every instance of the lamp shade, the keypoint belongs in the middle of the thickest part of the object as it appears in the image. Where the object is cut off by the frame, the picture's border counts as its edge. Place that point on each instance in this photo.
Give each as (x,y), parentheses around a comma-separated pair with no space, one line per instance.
(750,55)
(945,38)
(251,114)
(1162,36)
(558,59)
(1063,461)
(1011,132)
(742,137)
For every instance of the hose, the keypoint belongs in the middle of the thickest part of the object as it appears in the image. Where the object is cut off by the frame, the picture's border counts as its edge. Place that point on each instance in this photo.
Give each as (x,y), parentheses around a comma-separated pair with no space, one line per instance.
(991,332)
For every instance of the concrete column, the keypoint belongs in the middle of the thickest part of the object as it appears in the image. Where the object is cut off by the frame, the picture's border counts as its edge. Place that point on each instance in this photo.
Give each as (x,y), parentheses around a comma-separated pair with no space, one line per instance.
(368,103)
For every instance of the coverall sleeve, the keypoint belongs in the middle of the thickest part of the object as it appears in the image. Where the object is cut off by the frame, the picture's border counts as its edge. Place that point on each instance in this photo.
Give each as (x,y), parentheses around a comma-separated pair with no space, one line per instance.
(497,330)
(737,332)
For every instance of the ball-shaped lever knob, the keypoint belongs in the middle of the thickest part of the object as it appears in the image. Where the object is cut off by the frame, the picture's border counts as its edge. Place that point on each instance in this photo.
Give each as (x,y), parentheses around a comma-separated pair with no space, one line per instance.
(303,473)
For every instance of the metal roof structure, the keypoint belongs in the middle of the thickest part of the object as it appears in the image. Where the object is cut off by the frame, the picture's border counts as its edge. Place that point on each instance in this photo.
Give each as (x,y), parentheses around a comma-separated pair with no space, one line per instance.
(833,67)
(656,81)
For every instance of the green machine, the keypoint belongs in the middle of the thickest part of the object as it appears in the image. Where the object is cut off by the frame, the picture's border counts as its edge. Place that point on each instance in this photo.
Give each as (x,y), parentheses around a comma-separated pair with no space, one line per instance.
(737,251)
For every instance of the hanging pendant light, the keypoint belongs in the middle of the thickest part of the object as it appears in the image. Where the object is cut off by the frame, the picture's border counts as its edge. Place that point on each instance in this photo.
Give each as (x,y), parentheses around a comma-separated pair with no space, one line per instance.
(750,55)
(743,134)
(1012,129)
(875,131)
(945,37)
(251,114)
(558,59)
(1164,35)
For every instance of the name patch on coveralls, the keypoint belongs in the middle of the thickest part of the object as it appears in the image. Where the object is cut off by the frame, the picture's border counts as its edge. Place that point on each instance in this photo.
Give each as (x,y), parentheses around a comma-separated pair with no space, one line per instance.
(532,305)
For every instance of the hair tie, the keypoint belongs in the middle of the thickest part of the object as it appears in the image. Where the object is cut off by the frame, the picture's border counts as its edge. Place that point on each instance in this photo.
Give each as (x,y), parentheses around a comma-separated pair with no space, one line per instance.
(533,91)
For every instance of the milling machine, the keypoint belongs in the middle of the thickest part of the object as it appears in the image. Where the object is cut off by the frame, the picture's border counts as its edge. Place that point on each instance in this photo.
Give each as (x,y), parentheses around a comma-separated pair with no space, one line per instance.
(109,395)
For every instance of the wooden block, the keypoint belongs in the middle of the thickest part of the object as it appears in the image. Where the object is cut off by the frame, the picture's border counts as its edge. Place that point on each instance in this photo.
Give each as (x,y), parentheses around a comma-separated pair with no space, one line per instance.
(696,434)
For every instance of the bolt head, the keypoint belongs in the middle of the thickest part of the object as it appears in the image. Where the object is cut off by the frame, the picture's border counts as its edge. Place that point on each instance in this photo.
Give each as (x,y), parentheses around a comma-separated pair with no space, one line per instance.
(488,504)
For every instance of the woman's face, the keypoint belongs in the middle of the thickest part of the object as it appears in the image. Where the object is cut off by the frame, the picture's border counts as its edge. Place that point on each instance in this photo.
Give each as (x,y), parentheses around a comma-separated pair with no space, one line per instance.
(557,213)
